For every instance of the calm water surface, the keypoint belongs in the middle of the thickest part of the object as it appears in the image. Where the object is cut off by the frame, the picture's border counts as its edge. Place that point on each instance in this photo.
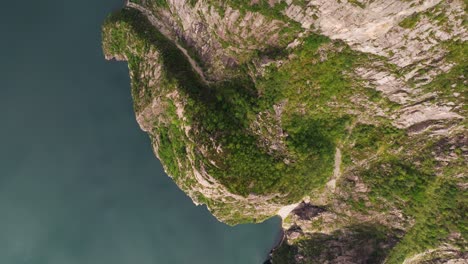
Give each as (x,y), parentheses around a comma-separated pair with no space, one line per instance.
(78,181)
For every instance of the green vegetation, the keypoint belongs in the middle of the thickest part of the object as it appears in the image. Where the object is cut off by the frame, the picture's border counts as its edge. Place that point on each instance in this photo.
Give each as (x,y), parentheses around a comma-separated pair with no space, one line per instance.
(439,214)
(262,6)
(435,14)
(223,112)
(357,3)
(409,184)
(368,243)
(410,21)
(315,89)
(397,181)
(453,81)
(157,3)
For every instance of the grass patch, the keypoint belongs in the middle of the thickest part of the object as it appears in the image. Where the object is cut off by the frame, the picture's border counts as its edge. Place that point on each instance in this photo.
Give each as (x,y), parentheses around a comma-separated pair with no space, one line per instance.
(410,21)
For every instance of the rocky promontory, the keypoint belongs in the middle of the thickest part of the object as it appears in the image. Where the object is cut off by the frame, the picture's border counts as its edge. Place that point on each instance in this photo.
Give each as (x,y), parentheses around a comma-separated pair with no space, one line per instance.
(347,118)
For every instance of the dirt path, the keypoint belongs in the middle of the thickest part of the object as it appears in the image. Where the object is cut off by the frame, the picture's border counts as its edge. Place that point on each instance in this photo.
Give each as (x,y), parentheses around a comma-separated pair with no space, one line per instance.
(336,171)
(161,28)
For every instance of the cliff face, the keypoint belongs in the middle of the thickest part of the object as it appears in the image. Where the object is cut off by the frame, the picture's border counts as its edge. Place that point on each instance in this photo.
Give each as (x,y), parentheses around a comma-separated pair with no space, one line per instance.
(346,118)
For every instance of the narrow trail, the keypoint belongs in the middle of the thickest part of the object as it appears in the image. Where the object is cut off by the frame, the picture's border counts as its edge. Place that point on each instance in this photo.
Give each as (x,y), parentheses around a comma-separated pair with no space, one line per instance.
(336,171)
(161,28)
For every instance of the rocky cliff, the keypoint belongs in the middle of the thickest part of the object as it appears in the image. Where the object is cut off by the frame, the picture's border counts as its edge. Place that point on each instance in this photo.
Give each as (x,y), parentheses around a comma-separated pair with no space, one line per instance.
(344,117)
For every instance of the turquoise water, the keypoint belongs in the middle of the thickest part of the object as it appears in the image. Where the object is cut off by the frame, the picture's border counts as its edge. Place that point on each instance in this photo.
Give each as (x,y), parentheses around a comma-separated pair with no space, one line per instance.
(78,180)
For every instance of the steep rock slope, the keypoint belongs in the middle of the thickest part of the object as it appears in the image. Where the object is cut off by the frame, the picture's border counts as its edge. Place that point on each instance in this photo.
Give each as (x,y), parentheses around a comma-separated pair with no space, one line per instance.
(346,118)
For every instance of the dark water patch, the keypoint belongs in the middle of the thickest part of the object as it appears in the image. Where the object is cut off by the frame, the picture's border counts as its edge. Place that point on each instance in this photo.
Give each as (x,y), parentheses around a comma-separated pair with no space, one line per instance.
(78,180)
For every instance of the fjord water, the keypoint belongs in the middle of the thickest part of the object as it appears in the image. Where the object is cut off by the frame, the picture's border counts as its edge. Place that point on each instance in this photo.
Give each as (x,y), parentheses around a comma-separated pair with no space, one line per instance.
(79,183)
